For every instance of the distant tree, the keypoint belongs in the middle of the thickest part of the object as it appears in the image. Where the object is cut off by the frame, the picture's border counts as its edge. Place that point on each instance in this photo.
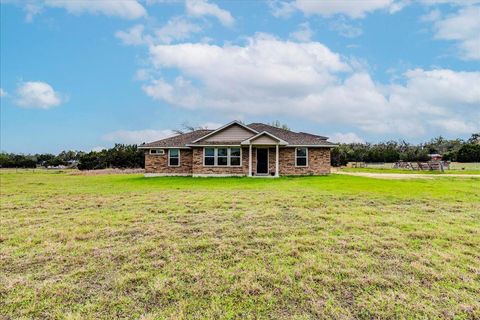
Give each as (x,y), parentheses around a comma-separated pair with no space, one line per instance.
(11,160)
(120,156)
(280,125)
(186,127)
(475,138)
(469,152)
(42,159)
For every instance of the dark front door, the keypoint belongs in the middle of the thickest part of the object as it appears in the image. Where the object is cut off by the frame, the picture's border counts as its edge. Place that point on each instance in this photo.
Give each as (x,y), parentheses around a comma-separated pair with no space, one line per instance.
(262,161)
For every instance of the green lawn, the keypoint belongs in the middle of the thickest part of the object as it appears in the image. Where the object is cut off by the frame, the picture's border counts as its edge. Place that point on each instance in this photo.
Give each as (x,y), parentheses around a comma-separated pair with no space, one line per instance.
(343,247)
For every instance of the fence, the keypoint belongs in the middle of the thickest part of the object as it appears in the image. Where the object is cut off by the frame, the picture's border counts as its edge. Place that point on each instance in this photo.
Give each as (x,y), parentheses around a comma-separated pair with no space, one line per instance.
(390,165)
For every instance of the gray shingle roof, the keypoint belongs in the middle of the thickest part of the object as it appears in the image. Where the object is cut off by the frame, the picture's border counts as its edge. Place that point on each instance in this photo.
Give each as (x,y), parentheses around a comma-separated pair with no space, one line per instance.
(293,138)
(178,141)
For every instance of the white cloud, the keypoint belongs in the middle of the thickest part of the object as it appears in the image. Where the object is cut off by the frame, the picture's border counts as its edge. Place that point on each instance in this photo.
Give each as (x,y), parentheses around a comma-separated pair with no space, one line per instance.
(177,28)
(3,93)
(307,80)
(98,148)
(463,27)
(345,29)
(348,137)
(136,136)
(456,126)
(450,2)
(36,94)
(352,8)
(211,125)
(133,36)
(303,33)
(126,9)
(433,15)
(32,9)
(199,8)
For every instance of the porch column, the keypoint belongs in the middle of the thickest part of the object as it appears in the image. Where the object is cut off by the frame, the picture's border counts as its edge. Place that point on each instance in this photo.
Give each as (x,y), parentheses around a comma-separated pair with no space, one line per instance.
(276,161)
(250,160)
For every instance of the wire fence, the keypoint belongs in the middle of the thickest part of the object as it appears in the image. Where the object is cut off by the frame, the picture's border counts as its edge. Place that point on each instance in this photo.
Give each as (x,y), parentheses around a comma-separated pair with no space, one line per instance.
(390,165)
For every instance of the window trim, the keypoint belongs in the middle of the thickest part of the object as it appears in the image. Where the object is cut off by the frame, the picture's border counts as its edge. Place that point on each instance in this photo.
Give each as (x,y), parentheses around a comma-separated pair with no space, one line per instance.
(306,157)
(169,157)
(214,157)
(229,155)
(157,153)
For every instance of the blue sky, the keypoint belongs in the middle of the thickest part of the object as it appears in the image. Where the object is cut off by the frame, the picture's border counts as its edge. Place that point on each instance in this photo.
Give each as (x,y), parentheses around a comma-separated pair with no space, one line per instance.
(86,74)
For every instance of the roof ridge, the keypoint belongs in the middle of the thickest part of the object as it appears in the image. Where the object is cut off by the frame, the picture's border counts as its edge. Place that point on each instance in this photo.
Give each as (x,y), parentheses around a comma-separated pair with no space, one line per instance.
(269,125)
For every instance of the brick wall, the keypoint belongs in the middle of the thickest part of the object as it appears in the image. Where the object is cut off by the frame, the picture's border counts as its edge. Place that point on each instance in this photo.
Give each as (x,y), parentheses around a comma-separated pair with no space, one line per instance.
(191,161)
(318,162)
(198,167)
(159,163)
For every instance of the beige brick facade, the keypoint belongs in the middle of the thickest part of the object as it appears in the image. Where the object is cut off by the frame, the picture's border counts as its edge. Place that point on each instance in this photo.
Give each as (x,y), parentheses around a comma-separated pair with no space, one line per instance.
(191,163)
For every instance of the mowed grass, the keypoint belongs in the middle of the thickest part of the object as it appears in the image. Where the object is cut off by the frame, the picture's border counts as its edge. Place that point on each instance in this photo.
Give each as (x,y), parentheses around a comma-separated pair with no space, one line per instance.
(343,247)
(409,171)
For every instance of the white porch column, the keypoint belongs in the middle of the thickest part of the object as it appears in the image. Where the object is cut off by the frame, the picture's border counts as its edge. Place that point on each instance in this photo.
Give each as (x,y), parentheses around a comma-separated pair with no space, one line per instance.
(276,161)
(250,160)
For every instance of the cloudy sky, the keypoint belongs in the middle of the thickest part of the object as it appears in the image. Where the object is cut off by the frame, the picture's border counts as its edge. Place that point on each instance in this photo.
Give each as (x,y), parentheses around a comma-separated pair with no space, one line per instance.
(86,74)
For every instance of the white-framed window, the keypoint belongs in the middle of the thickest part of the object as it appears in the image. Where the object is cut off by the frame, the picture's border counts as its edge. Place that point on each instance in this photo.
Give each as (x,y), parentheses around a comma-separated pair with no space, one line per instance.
(157,151)
(209,156)
(222,156)
(301,157)
(174,157)
(235,157)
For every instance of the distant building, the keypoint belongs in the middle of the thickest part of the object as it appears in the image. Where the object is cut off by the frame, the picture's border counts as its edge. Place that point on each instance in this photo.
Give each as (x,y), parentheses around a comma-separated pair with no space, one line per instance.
(435,157)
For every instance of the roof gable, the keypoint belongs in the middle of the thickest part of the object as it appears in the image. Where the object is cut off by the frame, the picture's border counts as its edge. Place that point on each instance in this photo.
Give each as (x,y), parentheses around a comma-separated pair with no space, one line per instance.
(233,131)
(264,137)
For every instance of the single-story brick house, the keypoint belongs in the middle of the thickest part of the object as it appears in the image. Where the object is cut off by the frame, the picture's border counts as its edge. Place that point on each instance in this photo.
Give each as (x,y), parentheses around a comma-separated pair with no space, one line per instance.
(236,149)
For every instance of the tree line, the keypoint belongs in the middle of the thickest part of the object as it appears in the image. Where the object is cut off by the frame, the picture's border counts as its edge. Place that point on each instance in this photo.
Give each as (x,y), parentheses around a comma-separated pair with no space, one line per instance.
(120,156)
(129,156)
(391,151)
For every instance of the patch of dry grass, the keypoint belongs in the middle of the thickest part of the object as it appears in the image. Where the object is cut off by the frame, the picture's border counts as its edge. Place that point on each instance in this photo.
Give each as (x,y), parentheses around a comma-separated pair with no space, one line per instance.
(107,171)
(114,246)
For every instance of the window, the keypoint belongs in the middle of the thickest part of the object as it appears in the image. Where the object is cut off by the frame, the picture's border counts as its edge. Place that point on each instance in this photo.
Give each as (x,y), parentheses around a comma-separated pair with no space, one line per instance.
(157,151)
(174,157)
(222,157)
(235,156)
(301,155)
(209,156)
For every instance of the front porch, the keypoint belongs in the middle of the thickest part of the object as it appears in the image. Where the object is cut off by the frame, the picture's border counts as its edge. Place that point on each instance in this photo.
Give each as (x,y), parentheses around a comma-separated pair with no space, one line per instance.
(263,161)
(259,155)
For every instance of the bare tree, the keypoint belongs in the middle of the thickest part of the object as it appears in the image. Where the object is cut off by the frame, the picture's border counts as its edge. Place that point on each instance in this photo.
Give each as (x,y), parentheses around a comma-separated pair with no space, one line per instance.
(280,125)
(186,127)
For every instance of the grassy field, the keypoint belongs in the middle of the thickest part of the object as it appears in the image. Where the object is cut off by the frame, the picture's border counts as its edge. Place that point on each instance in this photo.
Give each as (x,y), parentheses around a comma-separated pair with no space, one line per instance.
(454,166)
(343,247)
(408,171)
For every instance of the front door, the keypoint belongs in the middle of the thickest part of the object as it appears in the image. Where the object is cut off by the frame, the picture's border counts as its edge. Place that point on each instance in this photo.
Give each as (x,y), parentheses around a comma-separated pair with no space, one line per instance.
(262,161)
